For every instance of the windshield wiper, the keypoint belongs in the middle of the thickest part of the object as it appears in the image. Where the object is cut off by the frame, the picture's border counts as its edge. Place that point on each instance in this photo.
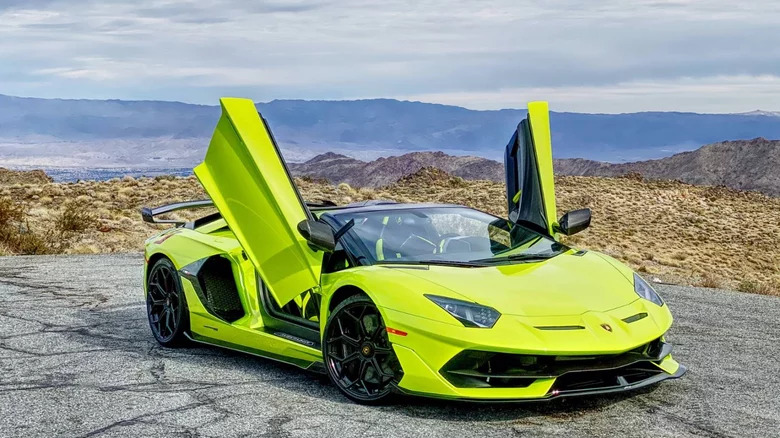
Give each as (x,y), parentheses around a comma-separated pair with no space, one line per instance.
(516,258)
(464,264)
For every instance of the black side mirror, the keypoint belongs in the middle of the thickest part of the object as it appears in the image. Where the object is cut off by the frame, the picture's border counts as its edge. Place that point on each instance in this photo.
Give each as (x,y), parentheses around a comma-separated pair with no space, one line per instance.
(574,221)
(319,235)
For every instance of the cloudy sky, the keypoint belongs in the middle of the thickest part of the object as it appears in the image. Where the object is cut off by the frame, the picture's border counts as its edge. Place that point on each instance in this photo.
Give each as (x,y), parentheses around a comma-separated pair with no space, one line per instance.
(591,56)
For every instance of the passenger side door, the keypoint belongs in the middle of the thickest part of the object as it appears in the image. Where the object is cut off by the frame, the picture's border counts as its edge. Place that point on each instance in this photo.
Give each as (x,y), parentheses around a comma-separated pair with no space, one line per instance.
(529,172)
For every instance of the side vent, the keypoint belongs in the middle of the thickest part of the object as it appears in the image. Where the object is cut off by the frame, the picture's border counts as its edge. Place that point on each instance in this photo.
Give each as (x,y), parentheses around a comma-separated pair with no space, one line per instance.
(215,285)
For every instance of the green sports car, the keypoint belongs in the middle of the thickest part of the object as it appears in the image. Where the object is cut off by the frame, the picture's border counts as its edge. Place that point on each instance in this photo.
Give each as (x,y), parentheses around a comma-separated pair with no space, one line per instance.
(386,298)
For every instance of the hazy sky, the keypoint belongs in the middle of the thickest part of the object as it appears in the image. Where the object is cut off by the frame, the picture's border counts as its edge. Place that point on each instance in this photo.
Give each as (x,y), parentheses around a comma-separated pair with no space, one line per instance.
(590,56)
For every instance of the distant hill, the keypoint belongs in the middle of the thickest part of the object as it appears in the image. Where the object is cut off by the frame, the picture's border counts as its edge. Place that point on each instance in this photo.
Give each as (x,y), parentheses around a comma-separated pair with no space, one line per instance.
(337,168)
(10,177)
(106,133)
(744,165)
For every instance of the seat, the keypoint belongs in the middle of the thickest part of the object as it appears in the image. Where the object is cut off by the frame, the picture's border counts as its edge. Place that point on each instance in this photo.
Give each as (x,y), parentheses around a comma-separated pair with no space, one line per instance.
(404,236)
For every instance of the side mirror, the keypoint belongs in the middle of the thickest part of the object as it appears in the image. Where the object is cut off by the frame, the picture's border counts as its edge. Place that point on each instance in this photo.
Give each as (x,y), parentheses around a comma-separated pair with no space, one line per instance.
(319,235)
(574,221)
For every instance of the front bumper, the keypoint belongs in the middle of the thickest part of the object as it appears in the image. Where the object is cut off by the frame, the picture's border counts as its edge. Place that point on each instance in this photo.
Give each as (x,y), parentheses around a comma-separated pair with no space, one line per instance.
(550,364)
(556,394)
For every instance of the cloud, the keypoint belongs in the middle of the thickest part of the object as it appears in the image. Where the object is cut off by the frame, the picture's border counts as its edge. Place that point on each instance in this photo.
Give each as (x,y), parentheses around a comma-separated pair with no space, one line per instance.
(469,53)
(703,94)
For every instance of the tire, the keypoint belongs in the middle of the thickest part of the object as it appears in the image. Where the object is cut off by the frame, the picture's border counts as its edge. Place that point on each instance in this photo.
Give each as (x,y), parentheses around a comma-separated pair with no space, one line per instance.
(166,305)
(358,356)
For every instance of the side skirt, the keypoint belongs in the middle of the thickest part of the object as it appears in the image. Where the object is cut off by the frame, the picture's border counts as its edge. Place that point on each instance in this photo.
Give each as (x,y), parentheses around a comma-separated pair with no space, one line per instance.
(314,366)
(286,326)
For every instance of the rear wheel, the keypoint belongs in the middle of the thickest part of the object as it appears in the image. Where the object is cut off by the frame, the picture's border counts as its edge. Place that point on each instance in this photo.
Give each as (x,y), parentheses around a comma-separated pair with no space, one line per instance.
(357,353)
(166,305)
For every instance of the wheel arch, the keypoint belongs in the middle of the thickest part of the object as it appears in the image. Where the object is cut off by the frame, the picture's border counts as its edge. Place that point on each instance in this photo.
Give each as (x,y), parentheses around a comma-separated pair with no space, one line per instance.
(152,260)
(342,293)
(387,288)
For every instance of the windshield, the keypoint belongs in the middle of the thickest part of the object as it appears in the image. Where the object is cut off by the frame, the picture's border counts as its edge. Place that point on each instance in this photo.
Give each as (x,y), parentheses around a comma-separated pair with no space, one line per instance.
(444,234)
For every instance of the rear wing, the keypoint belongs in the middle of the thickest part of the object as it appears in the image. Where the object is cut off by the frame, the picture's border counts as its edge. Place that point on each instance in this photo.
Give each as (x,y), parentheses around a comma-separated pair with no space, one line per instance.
(148,214)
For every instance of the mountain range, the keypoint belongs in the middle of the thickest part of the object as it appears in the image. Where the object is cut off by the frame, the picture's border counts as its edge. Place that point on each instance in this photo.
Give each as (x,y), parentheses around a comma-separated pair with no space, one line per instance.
(117,133)
(337,168)
(744,165)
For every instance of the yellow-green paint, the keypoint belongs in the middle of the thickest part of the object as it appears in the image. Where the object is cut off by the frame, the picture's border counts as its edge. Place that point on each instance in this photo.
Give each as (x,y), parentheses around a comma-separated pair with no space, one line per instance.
(247,180)
(539,118)
(568,289)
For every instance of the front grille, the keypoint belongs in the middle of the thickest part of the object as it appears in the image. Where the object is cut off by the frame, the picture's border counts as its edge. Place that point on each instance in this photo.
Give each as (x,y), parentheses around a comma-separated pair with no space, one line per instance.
(484,369)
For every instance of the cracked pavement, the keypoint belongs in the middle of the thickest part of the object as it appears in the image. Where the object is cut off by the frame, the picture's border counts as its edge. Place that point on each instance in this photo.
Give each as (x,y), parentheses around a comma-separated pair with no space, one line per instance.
(77,359)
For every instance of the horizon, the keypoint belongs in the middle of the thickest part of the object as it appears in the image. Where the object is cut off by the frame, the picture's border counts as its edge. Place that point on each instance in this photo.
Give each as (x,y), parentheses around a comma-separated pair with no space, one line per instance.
(120,133)
(753,112)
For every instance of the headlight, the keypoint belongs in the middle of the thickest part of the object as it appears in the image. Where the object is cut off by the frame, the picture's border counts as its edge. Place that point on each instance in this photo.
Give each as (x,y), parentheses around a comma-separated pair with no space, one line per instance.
(469,314)
(643,289)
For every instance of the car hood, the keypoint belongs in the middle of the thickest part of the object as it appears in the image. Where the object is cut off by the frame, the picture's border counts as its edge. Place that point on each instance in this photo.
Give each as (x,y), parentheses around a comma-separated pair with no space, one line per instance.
(567,284)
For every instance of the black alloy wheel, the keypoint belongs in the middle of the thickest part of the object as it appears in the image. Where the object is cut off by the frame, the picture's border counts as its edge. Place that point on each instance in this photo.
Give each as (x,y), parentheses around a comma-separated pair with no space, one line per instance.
(166,305)
(357,353)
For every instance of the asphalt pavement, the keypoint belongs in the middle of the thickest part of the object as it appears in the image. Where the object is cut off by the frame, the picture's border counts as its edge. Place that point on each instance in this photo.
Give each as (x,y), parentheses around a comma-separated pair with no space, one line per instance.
(77,359)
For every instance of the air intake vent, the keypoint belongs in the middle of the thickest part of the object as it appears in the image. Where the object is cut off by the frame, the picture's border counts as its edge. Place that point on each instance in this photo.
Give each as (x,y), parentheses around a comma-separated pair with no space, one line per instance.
(559,327)
(635,318)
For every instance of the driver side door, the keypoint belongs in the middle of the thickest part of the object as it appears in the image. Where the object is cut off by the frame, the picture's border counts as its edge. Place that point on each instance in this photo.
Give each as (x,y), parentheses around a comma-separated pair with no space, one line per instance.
(246,177)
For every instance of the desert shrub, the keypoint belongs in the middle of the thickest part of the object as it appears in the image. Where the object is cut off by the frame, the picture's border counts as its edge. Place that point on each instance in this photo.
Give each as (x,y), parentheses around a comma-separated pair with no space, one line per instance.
(458,182)
(583,200)
(754,287)
(10,212)
(313,179)
(74,218)
(15,232)
(634,176)
(710,281)
(344,188)
(27,242)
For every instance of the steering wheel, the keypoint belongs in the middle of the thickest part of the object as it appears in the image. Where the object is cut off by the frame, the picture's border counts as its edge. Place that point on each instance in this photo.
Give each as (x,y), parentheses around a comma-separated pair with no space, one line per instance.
(417,245)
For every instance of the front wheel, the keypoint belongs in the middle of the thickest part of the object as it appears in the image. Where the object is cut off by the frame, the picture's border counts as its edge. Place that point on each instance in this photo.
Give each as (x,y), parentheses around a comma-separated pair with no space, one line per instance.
(357,354)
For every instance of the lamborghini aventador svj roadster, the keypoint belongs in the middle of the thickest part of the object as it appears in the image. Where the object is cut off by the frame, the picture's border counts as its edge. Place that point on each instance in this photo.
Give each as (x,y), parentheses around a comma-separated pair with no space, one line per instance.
(387,298)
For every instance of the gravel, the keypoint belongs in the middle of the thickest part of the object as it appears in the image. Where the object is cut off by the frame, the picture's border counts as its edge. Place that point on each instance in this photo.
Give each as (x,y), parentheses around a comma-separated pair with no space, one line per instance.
(78,360)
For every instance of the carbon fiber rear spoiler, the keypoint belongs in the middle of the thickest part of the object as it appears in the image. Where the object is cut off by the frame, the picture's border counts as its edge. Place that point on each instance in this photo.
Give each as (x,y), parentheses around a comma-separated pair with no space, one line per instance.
(148,214)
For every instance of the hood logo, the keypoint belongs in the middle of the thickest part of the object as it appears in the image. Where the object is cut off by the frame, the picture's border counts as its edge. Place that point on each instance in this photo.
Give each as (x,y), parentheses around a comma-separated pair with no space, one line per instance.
(606,327)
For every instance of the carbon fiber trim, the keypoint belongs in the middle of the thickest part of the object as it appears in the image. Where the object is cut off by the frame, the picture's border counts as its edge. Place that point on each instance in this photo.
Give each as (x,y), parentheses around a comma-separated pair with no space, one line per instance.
(213,281)
(561,394)
(316,366)
(476,369)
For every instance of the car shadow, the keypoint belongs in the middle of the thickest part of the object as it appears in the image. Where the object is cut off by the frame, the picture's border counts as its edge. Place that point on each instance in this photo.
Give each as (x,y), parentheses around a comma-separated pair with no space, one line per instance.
(318,385)
(455,410)
(126,329)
